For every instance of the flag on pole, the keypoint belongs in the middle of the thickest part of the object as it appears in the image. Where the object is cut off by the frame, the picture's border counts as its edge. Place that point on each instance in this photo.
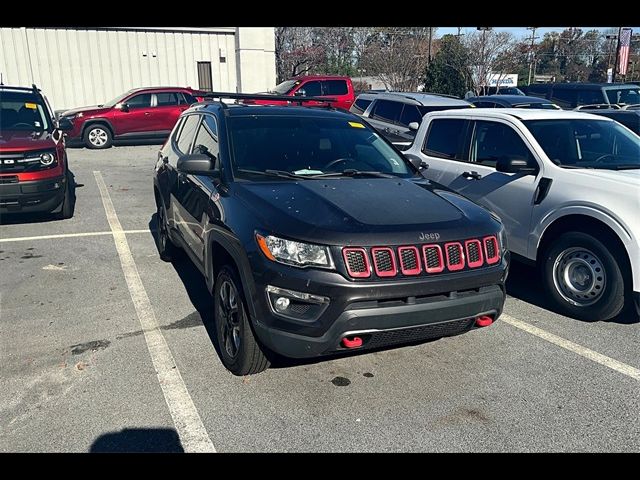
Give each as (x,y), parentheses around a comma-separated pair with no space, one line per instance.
(623,54)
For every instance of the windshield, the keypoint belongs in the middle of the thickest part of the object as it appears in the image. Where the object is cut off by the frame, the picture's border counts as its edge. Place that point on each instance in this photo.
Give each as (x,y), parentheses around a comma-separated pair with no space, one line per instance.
(24,111)
(307,146)
(583,143)
(284,87)
(118,99)
(624,95)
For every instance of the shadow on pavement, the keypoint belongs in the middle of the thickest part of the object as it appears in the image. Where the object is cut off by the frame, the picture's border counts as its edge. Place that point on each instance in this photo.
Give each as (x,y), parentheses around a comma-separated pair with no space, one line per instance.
(138,440)
(524,284)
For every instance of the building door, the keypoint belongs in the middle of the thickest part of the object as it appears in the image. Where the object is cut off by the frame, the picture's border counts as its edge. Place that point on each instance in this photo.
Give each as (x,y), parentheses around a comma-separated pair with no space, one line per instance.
(205,81)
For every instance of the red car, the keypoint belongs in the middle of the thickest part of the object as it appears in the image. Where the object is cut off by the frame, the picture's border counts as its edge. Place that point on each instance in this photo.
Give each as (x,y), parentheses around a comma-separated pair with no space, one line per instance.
(141,113)
(338,88)
(34,174)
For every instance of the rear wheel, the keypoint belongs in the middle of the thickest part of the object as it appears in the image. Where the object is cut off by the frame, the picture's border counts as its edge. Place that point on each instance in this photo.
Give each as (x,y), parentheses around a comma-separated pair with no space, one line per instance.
(166,248)
(583,277)
(97,136)
(239,349)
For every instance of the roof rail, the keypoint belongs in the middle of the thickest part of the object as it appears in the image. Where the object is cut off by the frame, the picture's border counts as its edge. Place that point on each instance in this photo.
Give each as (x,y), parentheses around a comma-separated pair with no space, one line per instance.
(257,96)
(598,106)
(441,95)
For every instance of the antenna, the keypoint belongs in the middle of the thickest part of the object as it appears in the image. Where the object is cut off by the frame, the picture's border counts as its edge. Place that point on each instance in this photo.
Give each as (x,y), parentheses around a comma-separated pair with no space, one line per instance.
(1,82)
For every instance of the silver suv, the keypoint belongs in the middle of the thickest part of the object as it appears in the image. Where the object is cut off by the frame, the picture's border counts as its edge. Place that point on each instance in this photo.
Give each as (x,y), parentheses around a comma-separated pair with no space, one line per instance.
(397,115)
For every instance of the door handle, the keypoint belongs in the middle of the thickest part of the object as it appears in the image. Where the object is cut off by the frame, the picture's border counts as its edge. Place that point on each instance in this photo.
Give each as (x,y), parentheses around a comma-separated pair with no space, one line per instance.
(474,175)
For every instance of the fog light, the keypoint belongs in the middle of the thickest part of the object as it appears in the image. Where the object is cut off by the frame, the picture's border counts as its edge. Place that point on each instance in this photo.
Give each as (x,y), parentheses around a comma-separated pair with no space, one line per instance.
(296,305)
(282,304)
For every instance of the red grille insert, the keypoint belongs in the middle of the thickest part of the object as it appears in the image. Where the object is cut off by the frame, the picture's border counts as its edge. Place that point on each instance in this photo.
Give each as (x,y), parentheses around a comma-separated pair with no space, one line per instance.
(433,259)
(357,262)
(384,262)
(491,249)
(474,253)
(409,260)
(455,256)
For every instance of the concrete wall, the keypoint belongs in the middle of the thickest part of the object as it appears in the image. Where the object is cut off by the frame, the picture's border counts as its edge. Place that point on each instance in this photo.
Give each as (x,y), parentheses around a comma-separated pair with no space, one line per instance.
(76,67)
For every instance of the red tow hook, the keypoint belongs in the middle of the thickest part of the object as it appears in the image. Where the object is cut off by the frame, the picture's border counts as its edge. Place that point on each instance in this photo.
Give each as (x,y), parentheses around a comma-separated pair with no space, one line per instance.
(484,321)
(355,342)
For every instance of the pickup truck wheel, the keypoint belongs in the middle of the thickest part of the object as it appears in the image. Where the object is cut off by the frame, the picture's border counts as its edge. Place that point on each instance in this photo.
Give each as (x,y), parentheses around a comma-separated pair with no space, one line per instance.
(583,277)
(239,350)
(166,248)
(97,136)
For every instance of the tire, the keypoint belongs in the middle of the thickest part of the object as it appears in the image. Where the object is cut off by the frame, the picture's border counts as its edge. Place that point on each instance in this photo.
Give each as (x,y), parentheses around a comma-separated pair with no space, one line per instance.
(67,207)
(583,277)
(239,350)
(166,248)
(97,136)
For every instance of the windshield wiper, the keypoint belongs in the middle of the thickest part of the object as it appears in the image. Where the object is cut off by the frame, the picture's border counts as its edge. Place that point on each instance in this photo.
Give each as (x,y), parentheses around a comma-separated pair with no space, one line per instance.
(624,166)
(274,173)
(350,172)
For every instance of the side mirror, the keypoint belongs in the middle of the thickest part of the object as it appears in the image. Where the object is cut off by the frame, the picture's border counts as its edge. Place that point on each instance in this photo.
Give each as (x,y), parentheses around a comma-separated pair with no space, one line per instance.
(196,163)
(124,107)
(414,126)
(417,162)
(515,165)
(65,124)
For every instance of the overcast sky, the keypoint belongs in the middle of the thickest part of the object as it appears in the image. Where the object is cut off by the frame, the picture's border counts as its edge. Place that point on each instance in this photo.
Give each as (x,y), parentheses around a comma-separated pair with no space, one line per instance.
(522,32)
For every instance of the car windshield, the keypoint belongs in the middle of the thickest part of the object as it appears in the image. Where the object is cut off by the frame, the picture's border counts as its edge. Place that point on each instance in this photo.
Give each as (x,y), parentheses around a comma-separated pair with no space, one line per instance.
(24,111)
(304,146)
(118,99)
(284,87)
(586,143)
(624,95)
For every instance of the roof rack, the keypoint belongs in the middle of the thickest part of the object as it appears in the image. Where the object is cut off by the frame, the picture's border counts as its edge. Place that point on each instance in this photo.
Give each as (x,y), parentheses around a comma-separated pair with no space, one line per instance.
(32,88)
(598,106)
(257,96)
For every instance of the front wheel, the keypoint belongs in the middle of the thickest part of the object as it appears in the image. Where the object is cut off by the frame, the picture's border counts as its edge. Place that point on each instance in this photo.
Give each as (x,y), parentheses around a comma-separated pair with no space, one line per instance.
(583,277)
(97,136)
(239,350)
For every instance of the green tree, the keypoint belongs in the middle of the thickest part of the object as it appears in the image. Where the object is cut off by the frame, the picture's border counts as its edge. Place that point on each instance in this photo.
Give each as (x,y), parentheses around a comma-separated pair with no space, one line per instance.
(449,73)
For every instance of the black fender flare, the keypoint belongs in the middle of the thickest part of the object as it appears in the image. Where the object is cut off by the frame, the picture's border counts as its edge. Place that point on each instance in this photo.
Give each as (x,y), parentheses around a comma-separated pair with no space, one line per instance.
(90,121)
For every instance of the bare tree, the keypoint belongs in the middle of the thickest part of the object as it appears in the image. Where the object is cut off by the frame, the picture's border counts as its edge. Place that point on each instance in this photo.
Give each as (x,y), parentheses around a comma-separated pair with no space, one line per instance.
(490,54)
(397,56)
(298,51)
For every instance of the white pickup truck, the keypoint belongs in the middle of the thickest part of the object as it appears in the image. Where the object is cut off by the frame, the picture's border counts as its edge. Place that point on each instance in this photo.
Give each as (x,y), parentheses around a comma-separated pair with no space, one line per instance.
(566,186)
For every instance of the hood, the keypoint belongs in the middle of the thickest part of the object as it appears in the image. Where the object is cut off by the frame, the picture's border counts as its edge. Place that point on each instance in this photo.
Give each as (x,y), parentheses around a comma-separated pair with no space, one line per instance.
(86,110)
(625,177)
(20,141)
(356,211)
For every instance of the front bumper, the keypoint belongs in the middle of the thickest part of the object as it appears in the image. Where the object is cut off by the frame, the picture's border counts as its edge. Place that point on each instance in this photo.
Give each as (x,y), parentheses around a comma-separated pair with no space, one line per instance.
(380,312)
(32,196)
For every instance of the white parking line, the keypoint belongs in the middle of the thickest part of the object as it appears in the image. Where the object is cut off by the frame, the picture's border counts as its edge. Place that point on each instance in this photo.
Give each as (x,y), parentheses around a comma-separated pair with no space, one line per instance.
(69,235)
(191,430)
(609,362)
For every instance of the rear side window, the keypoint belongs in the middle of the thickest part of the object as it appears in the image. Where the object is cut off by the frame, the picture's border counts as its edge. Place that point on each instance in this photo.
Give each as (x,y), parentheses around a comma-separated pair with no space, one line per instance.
(387,110)
(335,87)
(410,113)
(185,137)
(312,89)
(360,105)
(445,138)
(166,99)
(185,98)
(493,140)
(140,101)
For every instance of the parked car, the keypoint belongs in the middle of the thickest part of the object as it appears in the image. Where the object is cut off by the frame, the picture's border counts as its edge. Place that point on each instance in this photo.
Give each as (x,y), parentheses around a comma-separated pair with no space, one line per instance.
(141,113)
(315,236)
(512,101)
(338,88)
(567,187)
(629,116)
(502,91)
(572,95)
(34,173)
(397,115)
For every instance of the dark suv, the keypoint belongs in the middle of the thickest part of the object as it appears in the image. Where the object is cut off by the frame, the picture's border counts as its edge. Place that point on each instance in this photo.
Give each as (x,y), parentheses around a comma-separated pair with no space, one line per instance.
(316,236)
(141,113)
(575,94)
(34,174)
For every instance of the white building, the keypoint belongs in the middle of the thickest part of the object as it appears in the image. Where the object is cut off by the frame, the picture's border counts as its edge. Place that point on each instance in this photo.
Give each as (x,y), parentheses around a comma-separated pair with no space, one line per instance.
(79,66)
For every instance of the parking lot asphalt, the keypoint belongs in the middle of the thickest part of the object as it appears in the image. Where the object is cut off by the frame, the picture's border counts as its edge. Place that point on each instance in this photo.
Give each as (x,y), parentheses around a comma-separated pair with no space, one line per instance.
(76,372)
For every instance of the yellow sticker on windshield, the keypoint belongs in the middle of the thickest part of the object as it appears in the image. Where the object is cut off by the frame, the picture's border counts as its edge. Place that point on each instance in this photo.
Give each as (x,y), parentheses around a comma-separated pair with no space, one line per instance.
(32,106)
(356,125)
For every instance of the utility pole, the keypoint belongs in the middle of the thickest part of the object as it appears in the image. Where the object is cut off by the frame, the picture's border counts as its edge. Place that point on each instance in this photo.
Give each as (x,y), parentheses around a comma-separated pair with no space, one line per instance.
(459,30)
(615,65)
(611,38)
(531,54)
(483,78)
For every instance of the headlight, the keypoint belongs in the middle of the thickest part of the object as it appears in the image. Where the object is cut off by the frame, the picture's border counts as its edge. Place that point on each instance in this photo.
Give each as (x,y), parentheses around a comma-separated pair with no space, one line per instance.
(294,253)
(47,159)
